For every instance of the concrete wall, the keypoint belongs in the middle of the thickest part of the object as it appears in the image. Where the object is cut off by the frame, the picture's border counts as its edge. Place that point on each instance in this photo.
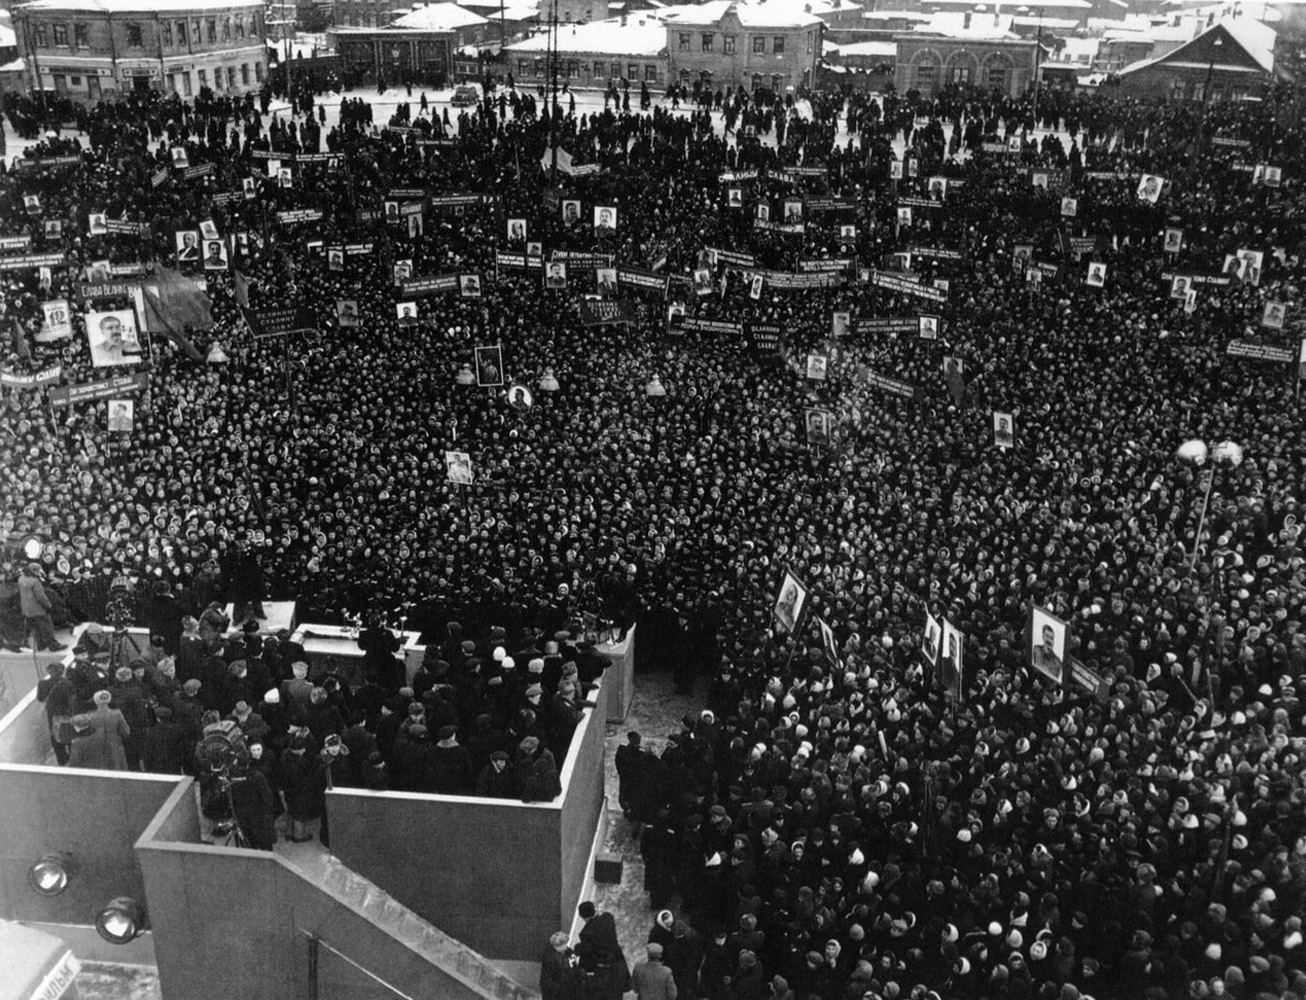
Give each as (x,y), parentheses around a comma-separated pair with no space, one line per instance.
(94,815)
(24,735)
(241,923)
(497,874)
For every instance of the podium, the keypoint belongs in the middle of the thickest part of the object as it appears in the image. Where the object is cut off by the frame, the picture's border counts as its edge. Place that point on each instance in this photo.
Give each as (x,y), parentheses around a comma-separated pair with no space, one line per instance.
(620,674)
(280,614)
(335,646)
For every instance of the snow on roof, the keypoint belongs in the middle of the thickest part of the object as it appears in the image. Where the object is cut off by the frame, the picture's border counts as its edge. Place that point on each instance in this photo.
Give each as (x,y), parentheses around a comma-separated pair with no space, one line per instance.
(516,10)
(134,6)
(953,24)
(17,66)
(437,17)
(770,14)
(1253,37)
(868,50)
(1014,7)
(7,37)
(1047,23)
(641,35)
(895,15)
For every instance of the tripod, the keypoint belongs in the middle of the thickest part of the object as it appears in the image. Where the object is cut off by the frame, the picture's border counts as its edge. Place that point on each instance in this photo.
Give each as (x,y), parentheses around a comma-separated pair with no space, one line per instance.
(228,832)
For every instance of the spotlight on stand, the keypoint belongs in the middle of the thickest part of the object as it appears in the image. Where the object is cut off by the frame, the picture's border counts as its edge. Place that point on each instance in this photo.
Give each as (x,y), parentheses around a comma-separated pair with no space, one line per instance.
(549,382)
(465,376)
(51,874)
(655,388)
(32,548)
(122,921)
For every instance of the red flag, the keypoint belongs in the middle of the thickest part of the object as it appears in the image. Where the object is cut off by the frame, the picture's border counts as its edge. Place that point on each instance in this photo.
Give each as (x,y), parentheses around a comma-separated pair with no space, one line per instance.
(172,305)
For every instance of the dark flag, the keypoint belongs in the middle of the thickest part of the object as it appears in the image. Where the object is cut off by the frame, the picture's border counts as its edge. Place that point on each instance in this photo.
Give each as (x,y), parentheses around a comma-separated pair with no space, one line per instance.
(173,306)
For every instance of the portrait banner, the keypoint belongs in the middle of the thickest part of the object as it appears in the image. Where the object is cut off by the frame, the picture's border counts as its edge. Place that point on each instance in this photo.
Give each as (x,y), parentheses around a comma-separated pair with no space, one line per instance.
(1048,638)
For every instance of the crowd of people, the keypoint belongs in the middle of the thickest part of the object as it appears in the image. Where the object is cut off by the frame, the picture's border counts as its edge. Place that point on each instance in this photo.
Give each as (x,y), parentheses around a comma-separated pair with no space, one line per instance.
(845,819)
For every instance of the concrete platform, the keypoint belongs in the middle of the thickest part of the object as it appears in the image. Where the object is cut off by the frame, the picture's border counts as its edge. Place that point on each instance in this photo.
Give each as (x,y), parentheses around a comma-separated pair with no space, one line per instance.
(280,614)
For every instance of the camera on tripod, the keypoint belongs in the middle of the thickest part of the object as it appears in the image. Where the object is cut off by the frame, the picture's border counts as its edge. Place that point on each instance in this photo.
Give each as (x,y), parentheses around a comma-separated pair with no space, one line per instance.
(223,758)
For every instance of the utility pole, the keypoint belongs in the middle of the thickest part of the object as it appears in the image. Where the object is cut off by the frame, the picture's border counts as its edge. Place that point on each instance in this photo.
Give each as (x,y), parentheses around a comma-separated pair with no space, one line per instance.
(553,99)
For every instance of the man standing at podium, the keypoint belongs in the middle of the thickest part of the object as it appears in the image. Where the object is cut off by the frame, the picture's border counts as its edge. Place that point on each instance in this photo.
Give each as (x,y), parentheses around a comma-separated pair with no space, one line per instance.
(244,577)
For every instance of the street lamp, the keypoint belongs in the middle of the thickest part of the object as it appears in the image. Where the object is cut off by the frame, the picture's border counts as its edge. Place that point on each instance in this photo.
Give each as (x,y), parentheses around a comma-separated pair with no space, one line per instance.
(1195,452)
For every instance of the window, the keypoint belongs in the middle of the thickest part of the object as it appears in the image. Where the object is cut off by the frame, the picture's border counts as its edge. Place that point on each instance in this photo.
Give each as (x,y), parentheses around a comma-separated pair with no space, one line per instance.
(204,78)
(217,77)
(185,83)
(40,36)
(961,75)
(759,45)
(616,71)
(632,71)
(134,38)
(61,34)
(74,81)
(598,71)
(573,69)
(925,76)
(998,78)
(195,35)
(650,73)
(539,67)
(212,24)
(60,82)
(256,26)
(81,36)
(684,41)
(778,45)
(172,83)
(226,29)
(728,44)
(240,27)
(707,41)
(181,34)
(258,72)
(231,76)
(165,32)
(810,35)
(523,67)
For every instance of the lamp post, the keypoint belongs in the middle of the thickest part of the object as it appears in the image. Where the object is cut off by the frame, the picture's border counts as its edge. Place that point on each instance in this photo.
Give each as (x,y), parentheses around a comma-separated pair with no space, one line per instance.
(1196,453)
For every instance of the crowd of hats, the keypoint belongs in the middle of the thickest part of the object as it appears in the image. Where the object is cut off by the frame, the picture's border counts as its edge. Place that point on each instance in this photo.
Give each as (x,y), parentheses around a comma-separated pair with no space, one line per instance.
(326,453)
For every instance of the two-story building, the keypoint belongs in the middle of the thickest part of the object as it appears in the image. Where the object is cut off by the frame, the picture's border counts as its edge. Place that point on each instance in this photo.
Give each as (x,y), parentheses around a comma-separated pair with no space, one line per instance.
(419,46)
(732,43)
(90,50)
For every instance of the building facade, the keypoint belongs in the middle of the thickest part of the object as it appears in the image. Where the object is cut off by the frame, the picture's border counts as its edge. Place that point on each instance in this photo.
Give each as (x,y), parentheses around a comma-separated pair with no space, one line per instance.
(927,62)
(596,55)
(418,47)
(90,50)
(724,43)
(1231,60)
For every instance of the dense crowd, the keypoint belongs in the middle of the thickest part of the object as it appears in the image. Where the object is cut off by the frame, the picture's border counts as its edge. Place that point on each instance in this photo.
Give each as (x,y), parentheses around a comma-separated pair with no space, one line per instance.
(835,824)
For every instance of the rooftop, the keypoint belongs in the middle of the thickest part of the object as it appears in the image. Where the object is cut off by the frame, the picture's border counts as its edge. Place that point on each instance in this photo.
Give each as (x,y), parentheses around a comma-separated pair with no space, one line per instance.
(865,50)
(768,14)
(134,6)
(437,17)
(1255,38)
(643,34)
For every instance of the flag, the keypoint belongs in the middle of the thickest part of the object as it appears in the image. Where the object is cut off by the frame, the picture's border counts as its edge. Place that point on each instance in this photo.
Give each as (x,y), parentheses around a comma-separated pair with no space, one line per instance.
(172,305)
(21,347)
(242,289)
